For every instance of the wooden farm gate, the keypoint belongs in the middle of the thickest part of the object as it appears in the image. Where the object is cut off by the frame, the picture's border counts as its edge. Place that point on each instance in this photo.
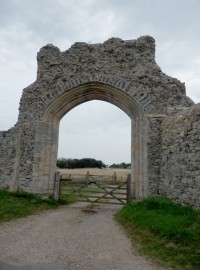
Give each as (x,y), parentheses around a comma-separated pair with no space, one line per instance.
(93,189)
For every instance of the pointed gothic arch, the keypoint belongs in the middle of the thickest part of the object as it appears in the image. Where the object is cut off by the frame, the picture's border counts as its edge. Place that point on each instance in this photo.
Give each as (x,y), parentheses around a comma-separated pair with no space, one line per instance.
(46,142)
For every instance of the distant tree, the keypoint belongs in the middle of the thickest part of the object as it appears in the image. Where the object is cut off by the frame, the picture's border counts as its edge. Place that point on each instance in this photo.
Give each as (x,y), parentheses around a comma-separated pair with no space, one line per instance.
(80,163)
(122,165)
(113,166)
(62,163)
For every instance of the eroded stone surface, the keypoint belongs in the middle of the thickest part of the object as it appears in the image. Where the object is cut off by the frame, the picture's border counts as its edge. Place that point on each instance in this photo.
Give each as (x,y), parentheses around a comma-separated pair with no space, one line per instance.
(180,170)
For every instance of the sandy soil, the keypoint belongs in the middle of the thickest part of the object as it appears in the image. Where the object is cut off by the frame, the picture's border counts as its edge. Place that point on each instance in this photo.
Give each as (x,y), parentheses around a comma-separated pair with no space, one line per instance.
(71,238)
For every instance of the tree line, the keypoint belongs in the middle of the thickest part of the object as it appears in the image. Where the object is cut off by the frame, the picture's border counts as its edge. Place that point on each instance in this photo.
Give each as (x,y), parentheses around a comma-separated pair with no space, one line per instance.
(69,163)
(122,165)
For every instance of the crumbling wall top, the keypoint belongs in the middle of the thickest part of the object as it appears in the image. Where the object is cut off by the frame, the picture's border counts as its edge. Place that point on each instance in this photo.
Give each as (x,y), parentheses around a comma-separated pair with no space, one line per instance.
(115,62)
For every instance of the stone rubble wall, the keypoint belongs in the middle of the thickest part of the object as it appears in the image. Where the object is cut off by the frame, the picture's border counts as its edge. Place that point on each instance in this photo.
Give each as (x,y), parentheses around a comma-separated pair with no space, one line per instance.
(130,63)
(127,66)
(180,168)
(8,154)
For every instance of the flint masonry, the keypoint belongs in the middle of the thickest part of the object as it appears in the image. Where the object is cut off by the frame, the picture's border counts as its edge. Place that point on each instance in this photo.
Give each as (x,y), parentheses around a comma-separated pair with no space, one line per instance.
(165,138)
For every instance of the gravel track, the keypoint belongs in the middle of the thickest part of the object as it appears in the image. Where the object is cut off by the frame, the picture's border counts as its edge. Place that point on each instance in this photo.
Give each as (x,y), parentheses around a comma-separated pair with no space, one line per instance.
(71,238)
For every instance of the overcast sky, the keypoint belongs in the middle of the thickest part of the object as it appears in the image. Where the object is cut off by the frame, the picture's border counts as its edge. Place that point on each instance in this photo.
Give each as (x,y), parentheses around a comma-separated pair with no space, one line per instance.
(94,129)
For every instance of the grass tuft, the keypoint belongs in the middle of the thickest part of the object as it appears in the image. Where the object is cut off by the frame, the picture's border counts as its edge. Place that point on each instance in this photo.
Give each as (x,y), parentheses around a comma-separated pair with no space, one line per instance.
(21,204)
(165,230)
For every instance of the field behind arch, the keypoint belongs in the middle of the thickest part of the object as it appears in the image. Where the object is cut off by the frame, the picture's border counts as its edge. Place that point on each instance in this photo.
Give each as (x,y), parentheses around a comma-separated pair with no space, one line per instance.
(121,173)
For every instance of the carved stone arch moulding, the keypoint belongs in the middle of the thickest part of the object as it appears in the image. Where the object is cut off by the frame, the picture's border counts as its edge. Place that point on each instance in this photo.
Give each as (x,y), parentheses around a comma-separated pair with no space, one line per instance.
(42,97)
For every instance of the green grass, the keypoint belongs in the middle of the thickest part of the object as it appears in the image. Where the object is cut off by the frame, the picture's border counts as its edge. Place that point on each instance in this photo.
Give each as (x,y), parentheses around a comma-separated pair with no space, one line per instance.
(21,204)
(165,231)
(66,190)
(67,194)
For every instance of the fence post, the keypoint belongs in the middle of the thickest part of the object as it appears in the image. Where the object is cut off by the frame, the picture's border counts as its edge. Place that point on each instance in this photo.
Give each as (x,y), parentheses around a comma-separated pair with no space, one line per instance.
(115,176)
(128,198)
(88,175)
(57,186)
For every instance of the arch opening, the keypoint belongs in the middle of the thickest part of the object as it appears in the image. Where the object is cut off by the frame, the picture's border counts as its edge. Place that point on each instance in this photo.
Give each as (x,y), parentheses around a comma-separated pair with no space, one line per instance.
(95,129)
(49,125)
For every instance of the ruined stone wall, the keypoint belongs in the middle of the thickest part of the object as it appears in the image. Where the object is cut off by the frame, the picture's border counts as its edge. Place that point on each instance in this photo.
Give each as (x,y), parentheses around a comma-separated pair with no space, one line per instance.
(180,168)
(8,153)
(128,71)
(126,64)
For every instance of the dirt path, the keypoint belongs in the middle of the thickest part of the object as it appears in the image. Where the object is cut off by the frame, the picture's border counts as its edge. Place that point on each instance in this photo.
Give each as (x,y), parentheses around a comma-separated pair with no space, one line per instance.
(69,238)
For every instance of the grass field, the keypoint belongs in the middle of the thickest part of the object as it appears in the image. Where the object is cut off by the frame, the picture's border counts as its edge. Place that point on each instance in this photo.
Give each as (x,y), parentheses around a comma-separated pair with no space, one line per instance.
(121,173)
(164,231)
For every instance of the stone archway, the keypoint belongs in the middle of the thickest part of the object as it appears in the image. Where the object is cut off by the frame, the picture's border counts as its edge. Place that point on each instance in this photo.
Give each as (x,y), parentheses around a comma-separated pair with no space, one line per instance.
(120,72)
(46,143)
